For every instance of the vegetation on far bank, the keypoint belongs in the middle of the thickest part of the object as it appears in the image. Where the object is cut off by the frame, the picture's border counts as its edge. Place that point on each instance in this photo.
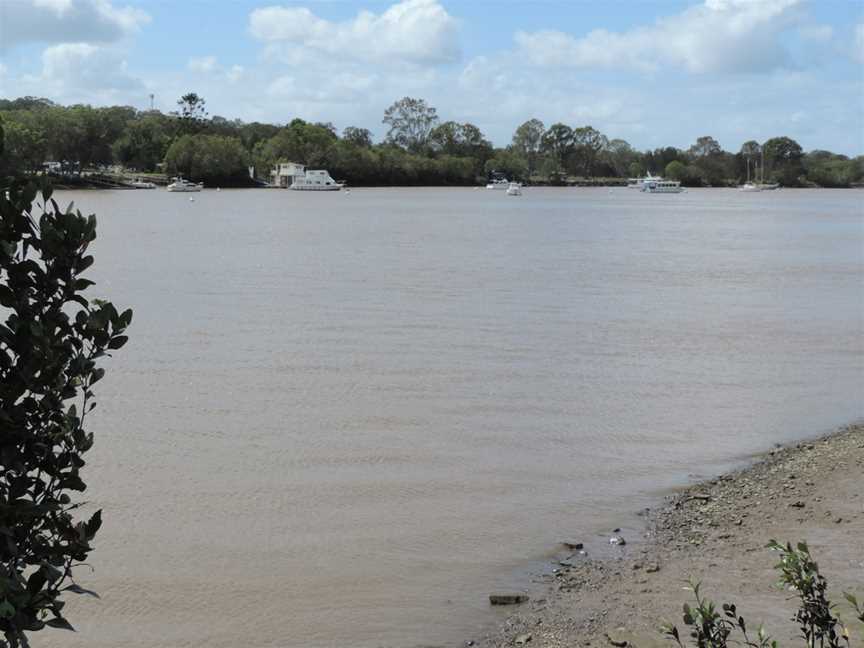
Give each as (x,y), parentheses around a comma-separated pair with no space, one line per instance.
(419,149)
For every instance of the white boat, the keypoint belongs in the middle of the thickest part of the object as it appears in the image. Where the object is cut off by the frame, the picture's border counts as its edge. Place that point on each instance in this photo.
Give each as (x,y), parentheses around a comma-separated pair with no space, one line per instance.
(319,180)
(498,182)
(662,186)
(138,183)
(761,185)
(749,186)
(638,183)
(182,185)
(514,189)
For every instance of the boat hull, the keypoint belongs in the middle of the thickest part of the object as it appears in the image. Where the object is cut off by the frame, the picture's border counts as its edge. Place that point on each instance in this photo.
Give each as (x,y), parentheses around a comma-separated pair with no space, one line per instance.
(334,187)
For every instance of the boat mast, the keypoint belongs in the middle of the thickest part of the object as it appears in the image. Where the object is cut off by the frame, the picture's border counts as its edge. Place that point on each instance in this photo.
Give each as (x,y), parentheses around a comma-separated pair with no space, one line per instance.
(762,167)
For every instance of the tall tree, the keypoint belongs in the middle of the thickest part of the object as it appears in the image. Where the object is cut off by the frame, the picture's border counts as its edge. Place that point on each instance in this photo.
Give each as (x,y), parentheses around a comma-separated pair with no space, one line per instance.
(783,160)
(527,142)
(588,143)
(620,156)
(361,137)
(192,113)
(557,142)
(751,149)
(410,121)
(704,147)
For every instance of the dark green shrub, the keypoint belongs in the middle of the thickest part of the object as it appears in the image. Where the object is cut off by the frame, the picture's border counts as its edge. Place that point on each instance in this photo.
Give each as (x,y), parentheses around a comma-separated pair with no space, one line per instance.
(51,338)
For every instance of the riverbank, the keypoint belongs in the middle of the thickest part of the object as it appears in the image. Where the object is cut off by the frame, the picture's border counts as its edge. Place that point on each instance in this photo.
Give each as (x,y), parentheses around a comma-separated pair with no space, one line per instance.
(714,532)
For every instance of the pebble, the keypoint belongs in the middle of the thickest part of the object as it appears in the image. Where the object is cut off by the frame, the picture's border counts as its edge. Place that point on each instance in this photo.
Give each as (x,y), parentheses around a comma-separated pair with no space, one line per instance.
(617,540)
(523,639)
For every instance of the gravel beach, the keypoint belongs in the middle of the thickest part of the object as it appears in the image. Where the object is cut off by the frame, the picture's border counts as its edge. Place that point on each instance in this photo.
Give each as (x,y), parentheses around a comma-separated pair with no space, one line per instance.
(714,532)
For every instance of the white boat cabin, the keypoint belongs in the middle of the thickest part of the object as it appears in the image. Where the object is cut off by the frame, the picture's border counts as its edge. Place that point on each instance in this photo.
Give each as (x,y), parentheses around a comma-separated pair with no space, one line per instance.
(284,174)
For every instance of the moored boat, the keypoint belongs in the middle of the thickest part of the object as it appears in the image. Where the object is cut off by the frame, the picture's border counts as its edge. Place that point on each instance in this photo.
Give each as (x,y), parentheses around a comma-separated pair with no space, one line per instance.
(662,186)
(498,181)
(514,189)
(182,185)
(138,183)
(318,180)
(638,183)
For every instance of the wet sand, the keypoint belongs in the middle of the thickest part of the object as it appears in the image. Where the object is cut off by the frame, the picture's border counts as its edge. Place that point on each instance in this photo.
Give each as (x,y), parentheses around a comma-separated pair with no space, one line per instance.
(714,532)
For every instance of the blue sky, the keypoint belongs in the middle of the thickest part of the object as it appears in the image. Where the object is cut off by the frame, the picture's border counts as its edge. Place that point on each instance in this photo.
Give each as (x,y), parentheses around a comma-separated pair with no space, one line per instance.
(650,72)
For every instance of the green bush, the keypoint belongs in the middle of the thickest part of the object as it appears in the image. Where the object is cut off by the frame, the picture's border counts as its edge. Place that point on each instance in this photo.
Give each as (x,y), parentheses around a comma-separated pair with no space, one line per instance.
(820,626)
(51,339)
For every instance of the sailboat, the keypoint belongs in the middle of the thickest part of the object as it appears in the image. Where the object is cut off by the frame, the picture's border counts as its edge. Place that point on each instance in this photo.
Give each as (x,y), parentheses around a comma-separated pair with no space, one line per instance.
(749,186)
(765,186)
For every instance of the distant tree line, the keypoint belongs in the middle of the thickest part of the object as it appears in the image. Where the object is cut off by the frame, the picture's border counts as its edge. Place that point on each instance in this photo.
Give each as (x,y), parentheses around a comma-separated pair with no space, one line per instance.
(419,149)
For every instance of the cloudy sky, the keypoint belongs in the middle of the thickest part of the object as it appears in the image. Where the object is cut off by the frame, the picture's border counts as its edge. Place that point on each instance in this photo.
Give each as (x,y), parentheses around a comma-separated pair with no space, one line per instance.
(653,72)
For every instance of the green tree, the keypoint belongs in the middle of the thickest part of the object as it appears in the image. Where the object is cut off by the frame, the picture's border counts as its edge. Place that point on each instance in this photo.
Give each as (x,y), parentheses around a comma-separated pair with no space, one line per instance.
(675,170)
(300,141)
(783,160)
(704,147)
(144,143)
(508,162)
(357,136)
(527,142)
(192,113)
(588,143)
(208,158)
(619,155)
(25,149)
(51,343)
(410,122)
(557,143)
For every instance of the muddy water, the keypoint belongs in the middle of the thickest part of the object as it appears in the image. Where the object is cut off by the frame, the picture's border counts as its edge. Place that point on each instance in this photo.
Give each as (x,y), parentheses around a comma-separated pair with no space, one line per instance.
(343,419)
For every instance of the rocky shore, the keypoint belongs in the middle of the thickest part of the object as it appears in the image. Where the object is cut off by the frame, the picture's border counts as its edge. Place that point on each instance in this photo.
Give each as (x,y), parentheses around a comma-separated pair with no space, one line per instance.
(714,532)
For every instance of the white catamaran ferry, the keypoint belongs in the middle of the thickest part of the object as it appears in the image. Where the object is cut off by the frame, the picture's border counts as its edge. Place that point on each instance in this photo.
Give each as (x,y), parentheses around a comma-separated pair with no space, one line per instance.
(638,183)
(658,185)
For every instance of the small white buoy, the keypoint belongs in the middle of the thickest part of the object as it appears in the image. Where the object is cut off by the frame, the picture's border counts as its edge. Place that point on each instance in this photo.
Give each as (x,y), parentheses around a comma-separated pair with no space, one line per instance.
(191,200)
(218,189)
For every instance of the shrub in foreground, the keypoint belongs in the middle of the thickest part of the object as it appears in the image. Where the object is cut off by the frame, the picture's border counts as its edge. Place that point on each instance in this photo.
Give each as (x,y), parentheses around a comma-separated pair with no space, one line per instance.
(816,618)
(51,340)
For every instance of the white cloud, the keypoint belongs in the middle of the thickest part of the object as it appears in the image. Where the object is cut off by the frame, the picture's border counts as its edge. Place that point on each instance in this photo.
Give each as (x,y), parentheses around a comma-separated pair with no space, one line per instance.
(209,66)
(719,35)
(85,72)
(415,31)
(64,21)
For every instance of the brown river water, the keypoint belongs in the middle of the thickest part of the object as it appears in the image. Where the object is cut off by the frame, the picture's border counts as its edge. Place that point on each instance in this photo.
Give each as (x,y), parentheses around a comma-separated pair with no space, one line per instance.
(343,419)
